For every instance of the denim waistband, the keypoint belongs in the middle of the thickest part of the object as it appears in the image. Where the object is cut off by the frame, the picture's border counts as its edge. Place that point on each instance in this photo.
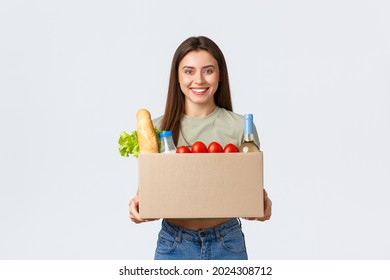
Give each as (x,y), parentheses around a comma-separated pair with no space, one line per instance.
(215,233)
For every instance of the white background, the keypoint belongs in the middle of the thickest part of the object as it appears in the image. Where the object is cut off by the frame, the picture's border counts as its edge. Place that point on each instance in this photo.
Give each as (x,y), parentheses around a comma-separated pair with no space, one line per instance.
(315,74)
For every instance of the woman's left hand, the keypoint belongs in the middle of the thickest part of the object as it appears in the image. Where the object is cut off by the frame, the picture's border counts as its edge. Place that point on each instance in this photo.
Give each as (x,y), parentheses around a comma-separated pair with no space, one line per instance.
(267,209)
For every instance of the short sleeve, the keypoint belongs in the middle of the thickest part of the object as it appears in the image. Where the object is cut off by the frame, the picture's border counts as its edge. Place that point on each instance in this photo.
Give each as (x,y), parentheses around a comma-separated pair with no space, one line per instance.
(157,122)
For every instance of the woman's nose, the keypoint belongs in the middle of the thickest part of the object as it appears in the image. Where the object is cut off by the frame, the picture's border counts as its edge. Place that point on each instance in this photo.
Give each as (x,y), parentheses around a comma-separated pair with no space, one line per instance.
(198,78)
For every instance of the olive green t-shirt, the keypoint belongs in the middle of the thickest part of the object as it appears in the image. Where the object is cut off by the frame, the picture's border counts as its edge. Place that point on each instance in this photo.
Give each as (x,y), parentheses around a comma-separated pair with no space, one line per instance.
(221,126)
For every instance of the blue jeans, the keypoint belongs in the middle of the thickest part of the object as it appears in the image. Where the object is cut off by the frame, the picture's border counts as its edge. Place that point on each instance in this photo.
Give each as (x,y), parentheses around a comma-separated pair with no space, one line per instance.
(224,242)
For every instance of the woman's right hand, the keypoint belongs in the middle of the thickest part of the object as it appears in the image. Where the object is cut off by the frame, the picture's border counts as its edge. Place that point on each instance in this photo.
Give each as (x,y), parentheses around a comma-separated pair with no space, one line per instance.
(134,211)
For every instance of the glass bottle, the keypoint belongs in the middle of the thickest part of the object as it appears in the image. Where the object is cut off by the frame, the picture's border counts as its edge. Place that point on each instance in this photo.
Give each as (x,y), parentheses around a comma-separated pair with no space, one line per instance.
(167,145)
(248,145)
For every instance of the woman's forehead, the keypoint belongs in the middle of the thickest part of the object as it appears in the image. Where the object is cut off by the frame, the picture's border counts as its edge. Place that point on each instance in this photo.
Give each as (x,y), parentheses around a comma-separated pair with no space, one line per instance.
(198,58)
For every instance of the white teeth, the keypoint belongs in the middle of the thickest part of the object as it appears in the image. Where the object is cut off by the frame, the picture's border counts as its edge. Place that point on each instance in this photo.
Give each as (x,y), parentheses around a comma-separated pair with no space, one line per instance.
(199,90)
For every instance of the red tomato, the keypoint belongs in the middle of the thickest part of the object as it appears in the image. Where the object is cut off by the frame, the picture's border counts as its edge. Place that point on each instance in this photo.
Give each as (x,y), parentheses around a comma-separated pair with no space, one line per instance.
(231,148)
(183,149)
(215,147)
(199,147)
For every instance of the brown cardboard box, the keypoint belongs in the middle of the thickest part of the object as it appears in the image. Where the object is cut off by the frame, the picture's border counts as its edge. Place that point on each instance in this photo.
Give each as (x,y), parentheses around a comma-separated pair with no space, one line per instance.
(201,185)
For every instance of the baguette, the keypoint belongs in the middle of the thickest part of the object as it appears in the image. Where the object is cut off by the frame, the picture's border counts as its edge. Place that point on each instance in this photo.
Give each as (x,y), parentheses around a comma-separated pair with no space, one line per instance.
(147,139)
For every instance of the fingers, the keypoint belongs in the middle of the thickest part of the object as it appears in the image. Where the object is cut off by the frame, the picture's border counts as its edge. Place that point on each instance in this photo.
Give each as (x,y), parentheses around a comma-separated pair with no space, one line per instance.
(134,212)
(265,195)
(267,210)
(267,207)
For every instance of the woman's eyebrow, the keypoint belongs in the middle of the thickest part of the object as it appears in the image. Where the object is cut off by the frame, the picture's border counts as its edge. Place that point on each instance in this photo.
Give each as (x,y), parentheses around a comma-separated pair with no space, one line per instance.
(192,67)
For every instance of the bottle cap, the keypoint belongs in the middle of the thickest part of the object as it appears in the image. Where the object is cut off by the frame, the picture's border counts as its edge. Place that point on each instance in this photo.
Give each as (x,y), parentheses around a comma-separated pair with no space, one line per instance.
(166,133)
(248,124)
(248,116)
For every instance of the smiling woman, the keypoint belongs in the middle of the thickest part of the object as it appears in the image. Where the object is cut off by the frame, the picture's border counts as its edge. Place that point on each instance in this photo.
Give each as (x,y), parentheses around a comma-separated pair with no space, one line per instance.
(198,79)
(177,103)
(199,108)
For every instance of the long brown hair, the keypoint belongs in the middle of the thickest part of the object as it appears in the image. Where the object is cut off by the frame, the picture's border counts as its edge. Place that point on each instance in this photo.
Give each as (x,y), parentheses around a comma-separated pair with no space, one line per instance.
(174,107)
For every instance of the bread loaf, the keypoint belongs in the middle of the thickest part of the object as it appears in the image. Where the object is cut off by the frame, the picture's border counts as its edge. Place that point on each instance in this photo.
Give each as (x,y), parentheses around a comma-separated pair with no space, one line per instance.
(147,139)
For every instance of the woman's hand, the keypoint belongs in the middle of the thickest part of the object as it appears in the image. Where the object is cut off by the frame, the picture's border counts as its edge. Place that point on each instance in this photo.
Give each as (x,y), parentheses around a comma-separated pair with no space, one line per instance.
(267,209)
(134,211)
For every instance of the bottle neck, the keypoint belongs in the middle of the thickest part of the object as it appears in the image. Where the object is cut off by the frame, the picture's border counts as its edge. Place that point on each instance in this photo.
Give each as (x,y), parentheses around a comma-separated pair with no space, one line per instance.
(249,138)
(167,141)
(248,128)
(167,145)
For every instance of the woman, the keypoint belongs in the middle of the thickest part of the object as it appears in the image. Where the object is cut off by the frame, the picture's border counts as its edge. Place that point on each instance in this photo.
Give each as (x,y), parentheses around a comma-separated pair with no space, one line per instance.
(199,108)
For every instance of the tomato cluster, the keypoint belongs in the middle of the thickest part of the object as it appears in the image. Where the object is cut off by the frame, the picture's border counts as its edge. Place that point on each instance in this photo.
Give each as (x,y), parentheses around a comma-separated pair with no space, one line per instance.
(214,147)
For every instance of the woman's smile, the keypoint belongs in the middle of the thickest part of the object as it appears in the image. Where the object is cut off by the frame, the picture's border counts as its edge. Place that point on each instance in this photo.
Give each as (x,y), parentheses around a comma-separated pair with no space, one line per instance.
(199,91)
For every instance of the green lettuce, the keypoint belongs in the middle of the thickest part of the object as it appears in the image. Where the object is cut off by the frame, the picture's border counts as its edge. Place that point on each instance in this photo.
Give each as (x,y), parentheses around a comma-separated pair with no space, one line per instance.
(128,143)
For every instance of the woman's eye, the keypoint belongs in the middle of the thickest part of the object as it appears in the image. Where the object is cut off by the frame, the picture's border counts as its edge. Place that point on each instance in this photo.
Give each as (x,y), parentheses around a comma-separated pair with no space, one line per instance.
(188,71)
(208,71)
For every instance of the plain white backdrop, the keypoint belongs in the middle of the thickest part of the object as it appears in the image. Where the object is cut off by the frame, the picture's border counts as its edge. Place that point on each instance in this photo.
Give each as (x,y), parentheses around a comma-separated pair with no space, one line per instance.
(315,74)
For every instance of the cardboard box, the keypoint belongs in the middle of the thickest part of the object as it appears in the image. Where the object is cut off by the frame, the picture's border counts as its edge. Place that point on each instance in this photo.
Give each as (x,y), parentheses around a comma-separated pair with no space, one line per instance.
(201,185)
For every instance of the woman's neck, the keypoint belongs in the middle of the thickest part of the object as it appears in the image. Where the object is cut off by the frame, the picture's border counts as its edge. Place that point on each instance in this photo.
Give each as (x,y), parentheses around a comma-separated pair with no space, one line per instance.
(198,111)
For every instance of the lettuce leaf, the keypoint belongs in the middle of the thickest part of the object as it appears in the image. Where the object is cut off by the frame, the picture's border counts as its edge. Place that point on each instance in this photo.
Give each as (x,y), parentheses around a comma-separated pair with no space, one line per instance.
(128,143)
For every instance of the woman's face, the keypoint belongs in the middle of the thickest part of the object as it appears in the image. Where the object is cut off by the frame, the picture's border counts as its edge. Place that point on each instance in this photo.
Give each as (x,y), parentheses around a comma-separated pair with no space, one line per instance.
(198,78)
